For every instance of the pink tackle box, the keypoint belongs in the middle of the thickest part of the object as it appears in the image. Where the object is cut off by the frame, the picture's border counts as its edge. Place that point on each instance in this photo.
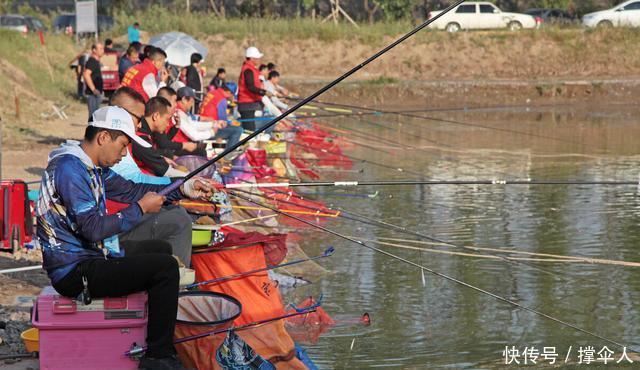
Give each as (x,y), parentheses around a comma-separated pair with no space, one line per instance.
(95,336)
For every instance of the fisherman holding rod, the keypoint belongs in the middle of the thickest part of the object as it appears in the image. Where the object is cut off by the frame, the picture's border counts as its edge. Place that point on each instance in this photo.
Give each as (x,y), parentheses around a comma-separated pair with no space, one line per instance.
(79,239)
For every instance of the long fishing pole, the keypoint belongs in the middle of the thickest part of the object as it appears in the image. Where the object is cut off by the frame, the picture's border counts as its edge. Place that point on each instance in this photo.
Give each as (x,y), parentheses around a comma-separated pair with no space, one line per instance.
(353,158)
(136,351)
(436,273)
(175,185)
(429,183)
(327,253)
(453,122)
(377,223)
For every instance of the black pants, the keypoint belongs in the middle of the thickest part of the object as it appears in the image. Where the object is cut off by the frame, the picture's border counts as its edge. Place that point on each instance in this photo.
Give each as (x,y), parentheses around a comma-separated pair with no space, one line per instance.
(248,112)
(148,266)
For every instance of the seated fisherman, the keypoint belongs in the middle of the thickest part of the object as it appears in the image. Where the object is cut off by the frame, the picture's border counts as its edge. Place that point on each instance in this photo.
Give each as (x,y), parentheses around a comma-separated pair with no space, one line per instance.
(154,160)
(172,223)
(81,251)
(182,145)
(193,127)
(214,106)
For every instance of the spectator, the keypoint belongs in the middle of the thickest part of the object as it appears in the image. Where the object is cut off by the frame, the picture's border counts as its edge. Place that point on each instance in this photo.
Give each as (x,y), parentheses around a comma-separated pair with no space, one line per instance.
(128,60)
(219,79)
(77,64)
(92,76)
(194,78)
(134,33)
(108,46)
(271,66)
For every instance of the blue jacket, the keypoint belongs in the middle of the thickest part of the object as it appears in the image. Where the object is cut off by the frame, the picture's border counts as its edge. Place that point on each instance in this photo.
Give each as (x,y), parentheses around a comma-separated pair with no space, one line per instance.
(73,224)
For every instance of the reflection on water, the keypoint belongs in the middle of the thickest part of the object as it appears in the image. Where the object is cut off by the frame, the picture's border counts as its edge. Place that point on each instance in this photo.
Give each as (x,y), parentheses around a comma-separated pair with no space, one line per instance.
(445,325)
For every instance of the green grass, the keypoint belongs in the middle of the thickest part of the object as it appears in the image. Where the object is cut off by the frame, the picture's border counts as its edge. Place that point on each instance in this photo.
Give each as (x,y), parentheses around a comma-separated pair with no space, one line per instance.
(157,19)
(26,54)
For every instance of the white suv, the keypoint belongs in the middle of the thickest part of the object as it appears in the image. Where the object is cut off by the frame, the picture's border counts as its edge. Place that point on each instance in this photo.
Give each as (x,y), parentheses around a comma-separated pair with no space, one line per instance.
(481,15)
(626,14)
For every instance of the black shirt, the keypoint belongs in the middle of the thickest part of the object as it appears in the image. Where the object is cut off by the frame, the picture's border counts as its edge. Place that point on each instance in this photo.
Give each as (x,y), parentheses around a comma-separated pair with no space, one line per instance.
(96,75)
(217,82)
(248,80)
(193,79)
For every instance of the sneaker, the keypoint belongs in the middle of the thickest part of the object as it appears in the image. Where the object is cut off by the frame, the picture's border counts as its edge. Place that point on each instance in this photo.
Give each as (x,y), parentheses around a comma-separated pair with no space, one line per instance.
(164,363)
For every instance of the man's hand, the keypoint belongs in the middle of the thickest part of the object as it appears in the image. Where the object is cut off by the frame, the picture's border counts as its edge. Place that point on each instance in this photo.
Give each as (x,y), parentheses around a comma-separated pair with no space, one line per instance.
(164,75)
(190,146)
(170,162)
(151,202)
(176,119)
(200,188)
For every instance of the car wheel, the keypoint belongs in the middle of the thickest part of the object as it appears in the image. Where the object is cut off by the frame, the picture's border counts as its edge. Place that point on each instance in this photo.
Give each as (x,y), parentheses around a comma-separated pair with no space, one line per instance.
(514,26)
(605,24)
(452,27)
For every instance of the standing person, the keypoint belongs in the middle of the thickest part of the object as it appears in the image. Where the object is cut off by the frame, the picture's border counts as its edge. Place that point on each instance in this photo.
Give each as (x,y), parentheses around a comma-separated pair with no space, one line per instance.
(250,89)
(127,61)
(80,247)
(133,32)
(194,78)
(92,76)
(142,77)
(77,64)
(215,106)
(108,46)
(219,79)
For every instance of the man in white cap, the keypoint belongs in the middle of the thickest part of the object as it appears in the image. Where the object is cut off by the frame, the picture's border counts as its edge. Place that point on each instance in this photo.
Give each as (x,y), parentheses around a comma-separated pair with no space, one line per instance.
(250,89)
(81,251)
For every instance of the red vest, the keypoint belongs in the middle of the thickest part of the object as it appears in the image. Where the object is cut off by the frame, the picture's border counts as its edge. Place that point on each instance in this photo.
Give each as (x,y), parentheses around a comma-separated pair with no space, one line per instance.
(179,137)
(209,106)
(244,95)
(143,167)
(136,74)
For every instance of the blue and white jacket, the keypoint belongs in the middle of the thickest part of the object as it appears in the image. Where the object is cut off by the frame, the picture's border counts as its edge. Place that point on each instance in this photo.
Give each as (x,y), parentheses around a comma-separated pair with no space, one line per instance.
(73,224)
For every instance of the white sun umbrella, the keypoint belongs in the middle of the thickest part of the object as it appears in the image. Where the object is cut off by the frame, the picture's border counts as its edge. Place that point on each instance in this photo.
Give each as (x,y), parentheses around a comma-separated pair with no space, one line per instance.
(179,47)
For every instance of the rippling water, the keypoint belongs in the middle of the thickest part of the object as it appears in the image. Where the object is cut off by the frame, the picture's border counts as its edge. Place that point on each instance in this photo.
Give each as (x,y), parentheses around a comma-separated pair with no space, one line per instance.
(445,325)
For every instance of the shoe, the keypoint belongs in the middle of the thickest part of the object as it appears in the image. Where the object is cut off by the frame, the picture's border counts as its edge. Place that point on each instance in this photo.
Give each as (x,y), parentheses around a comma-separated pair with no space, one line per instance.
(164,363)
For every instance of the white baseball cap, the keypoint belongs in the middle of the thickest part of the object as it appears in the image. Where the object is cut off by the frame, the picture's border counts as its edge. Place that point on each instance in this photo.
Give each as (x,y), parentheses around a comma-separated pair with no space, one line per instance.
(253,52)
(116,118)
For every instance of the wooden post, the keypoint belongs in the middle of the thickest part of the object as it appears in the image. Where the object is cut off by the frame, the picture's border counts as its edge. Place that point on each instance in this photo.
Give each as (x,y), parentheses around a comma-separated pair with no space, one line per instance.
(16,101)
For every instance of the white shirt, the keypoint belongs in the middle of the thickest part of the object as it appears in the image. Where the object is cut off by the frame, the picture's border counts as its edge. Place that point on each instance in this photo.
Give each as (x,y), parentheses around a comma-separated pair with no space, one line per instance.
(151,86)
(195,130)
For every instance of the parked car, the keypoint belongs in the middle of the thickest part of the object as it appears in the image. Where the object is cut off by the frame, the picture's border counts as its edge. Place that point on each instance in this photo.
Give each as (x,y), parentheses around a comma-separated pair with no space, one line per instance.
(481,15)
(21,23)
(626,14)
(67,23)
(557,17)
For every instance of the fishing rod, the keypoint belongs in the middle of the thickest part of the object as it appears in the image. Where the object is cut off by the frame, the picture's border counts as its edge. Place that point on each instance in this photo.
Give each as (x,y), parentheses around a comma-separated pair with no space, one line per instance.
(460,123)
(327,253)
(430,183)
(377,223)
(175,185)
(138,350)
(442,275)
(353,158)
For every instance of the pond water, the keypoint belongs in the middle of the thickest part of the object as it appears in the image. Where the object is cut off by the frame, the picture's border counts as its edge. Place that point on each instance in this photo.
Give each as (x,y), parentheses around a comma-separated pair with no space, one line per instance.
(440,324)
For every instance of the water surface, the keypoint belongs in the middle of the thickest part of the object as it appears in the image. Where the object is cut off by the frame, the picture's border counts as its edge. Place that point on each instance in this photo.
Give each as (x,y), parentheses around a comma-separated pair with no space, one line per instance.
(445,325)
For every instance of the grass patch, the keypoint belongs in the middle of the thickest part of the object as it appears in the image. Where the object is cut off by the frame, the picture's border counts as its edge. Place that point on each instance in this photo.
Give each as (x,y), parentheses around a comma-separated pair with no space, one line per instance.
(27,55)
(382,80)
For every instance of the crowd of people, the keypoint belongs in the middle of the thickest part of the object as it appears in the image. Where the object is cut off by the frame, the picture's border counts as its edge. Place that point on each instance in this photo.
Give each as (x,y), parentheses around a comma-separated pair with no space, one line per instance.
(106,222)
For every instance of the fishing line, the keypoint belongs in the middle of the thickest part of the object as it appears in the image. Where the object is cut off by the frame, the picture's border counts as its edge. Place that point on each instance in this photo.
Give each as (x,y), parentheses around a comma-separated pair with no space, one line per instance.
(176,184)
(436,273)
